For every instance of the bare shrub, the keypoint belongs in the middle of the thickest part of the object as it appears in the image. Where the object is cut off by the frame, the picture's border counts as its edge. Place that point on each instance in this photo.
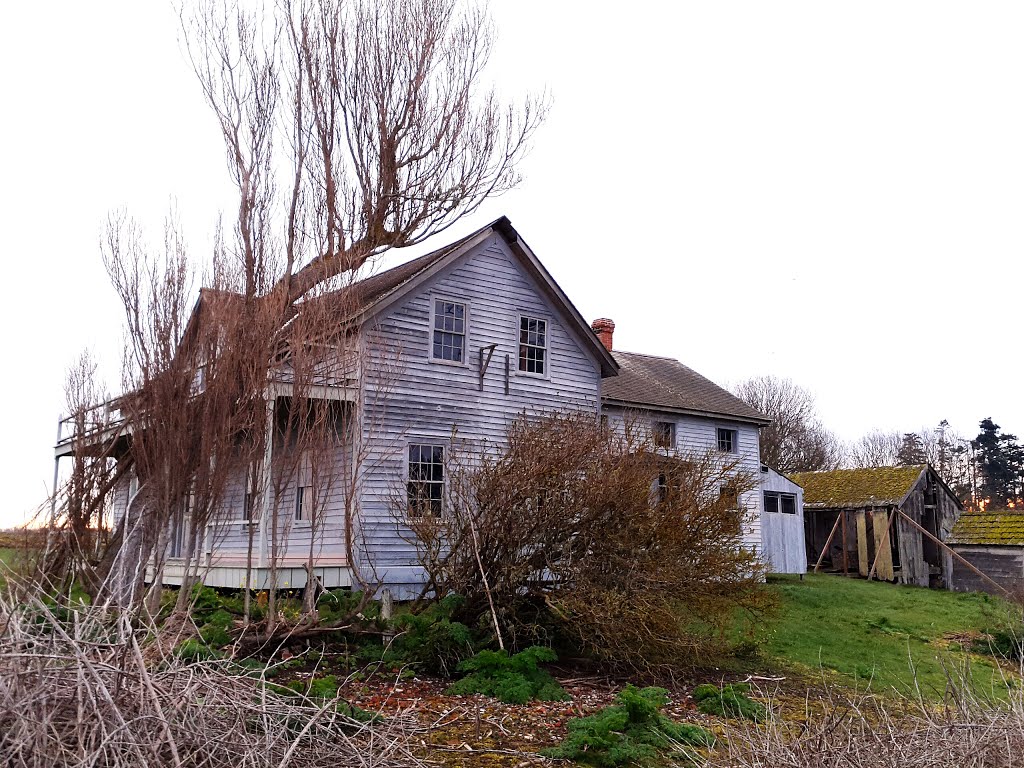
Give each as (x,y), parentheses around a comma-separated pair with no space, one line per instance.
(636,554)
(870,731)
(78,686)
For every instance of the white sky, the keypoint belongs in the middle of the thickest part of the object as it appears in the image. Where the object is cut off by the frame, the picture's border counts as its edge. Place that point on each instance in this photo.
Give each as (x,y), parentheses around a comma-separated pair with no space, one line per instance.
(826,191)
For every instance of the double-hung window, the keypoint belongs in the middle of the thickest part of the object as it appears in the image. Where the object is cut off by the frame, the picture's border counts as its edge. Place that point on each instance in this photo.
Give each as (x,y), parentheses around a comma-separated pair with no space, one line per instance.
(533,345)
(304,499)
(727,440)
(425,486)
(449,333)
(664,433)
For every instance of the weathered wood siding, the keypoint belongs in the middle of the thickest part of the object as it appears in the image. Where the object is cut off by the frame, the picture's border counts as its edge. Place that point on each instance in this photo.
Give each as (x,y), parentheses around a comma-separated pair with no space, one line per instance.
(1002,564)
(407,397)
(782,535)
(697,435)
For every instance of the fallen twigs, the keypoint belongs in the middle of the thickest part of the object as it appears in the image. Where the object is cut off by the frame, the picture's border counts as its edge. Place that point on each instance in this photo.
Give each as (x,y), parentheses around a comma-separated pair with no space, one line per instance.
(80,687)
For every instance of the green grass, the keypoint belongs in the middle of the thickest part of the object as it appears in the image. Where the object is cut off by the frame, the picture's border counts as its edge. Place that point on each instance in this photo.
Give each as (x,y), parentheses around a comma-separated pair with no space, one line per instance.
(874,632)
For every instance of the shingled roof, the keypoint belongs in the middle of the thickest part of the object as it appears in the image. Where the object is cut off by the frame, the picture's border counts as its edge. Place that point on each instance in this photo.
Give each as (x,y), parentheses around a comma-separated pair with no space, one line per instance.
(1000,527)
(855,488)
(646,381)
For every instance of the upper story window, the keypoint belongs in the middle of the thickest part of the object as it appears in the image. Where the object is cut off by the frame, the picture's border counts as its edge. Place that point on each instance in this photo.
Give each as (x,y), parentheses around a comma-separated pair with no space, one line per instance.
(449,338)
(533,345)
(664,433)
(727,442)
(425,486)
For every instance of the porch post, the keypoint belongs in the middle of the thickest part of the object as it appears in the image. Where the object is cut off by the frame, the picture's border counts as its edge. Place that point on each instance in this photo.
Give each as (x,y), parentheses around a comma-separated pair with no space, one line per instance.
(268,454)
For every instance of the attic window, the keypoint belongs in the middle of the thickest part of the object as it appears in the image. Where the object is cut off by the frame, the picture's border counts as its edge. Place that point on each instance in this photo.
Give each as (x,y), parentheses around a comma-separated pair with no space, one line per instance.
(533,345)
(449,341)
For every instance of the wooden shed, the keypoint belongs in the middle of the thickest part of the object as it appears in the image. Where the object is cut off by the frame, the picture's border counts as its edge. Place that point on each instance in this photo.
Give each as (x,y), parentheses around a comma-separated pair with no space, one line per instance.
(993,542)
(782,523)
(884,522)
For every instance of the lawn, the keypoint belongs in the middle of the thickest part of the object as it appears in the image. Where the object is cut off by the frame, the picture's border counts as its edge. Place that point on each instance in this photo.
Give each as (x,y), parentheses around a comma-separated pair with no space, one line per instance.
(873,632)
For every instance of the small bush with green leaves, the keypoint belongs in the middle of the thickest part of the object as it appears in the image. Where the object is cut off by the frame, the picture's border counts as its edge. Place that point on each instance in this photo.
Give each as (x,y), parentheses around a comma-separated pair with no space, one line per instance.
(431,640)
(729,701)
(195,649)
(215,632)
(633,731)
(513,679)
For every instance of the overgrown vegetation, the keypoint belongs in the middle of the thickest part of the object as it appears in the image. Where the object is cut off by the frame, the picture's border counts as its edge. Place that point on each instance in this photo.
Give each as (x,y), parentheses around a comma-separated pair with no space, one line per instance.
(631,732)
(596,536)
(514,679)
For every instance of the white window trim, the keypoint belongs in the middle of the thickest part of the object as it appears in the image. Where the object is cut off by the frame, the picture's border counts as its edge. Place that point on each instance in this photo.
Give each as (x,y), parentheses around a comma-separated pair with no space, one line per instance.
(434,298)
(547,346)
(445,444)
(735,439)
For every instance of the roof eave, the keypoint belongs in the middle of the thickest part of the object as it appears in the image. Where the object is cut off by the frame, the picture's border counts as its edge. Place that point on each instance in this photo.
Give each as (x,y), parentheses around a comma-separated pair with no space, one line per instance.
(684,411)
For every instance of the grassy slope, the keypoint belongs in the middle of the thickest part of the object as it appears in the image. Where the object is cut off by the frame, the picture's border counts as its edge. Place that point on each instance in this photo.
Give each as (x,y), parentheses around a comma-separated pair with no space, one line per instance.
(870,630)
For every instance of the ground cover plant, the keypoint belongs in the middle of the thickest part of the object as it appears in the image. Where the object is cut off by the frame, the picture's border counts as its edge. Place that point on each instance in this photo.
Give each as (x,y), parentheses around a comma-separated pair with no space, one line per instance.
(633,731)
(892,637)
(514,679)
(729,701)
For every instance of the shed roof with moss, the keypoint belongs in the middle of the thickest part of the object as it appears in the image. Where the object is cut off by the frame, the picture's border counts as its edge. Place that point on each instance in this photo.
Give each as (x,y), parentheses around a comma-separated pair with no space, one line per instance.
(856,488)
(999,527)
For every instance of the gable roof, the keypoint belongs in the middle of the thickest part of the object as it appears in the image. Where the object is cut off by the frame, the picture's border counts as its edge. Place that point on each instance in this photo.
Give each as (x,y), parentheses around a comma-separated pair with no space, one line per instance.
(855,488)
(645,381)
(1000,527)
(378,292)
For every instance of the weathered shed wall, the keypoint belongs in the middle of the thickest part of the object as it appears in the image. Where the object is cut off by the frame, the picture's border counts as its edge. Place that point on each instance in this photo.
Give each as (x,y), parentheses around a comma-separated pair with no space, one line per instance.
(1004,565)
(782,534)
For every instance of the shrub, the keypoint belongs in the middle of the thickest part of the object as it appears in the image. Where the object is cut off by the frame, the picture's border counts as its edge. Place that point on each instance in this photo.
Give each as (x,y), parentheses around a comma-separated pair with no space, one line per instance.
(512,679)
(431,639)
(729,701)
(215,631)
(631,732)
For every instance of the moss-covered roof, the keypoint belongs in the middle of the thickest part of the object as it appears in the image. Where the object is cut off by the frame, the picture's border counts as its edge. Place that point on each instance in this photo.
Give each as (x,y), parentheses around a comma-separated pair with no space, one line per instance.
(872,486)
(1003,527)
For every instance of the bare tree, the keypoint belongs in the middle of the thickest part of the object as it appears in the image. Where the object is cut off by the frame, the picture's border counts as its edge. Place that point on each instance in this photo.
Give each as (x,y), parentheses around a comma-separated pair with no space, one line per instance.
(349,128)
(875,449)
(796,440)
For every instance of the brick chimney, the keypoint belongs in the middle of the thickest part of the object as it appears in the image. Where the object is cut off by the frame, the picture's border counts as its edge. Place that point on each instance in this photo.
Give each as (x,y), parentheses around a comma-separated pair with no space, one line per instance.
(604,328)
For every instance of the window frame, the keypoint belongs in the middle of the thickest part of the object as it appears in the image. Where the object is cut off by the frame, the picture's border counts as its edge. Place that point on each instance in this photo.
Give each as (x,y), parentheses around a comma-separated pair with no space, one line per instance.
(734,439)
(304,502)
(466,310)
(657,432)
(546,374)
(432,443)
(780,498)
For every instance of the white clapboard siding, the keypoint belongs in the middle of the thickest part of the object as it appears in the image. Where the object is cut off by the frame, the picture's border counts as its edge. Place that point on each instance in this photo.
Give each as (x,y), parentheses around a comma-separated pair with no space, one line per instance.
(410,398)
(699,434)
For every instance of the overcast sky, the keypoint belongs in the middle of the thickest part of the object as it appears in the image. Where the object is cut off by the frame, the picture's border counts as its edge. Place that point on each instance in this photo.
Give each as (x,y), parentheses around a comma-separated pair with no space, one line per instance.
(830,192)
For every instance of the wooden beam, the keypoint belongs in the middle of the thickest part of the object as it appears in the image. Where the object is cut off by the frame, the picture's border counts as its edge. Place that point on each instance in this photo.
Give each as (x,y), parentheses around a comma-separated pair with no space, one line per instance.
(957,555)
(828,543)
(884,546)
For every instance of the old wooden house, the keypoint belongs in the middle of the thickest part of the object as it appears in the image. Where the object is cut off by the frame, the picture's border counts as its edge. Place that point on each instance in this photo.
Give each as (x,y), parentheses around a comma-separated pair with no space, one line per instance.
(477,333)
(884,522)
(992,542)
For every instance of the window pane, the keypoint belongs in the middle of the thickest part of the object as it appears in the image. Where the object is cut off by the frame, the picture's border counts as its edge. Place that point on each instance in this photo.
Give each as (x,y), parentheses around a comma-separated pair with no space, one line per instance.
(789,504)
(771,502)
